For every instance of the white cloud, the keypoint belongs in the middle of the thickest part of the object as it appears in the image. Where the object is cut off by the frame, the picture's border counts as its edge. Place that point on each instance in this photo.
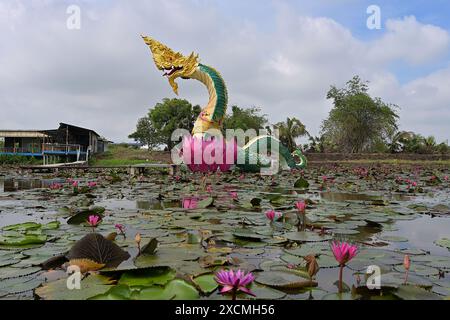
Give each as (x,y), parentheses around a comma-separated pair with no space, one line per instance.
(409,40)
(103,77)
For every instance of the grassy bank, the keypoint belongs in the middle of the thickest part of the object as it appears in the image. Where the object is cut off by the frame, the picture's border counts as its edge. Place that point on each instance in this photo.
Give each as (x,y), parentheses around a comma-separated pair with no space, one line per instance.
(121,155)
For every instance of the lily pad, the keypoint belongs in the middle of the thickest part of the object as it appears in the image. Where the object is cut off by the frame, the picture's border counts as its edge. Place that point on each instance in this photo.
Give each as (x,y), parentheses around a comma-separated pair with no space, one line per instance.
(444,242)
(301,183)
(206,283)
(306,236)
(98,249)
(408,292)
(175,290)
(147,277)
(91,286)
(283,280)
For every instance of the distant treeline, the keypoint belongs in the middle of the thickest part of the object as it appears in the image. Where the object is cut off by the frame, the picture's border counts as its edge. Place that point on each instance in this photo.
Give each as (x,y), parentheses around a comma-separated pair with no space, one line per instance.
(357,123)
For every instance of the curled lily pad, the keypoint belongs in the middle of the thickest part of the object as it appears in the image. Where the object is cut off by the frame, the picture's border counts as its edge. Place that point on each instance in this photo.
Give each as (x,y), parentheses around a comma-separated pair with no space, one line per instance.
(301,183)
(82,216)
(98,249)
(150,247)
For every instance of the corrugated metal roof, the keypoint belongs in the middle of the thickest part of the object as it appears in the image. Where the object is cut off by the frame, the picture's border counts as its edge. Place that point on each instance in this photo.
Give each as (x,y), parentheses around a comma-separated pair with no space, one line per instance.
(23,134)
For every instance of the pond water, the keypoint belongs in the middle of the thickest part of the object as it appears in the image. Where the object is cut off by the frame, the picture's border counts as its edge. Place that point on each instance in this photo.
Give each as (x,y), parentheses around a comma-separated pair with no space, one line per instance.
(385,218)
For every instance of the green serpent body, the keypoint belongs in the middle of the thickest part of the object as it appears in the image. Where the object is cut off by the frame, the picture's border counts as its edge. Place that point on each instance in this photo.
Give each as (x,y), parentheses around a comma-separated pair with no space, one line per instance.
(250,157)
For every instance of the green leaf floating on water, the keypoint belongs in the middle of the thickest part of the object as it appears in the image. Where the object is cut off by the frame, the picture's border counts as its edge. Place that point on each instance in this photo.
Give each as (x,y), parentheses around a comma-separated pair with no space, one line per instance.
(91,286)
(51,225)
(22,226)
(22,240)
(147,277)
(206,283)
(306,236)
(408,292)
(168,256)
(11,272)
(175,290)
(248,234)
(205,203)
(283,280)
(444,242)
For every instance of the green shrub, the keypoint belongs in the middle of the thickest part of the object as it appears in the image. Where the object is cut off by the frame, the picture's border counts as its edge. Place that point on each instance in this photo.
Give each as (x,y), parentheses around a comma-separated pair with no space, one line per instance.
(15,160)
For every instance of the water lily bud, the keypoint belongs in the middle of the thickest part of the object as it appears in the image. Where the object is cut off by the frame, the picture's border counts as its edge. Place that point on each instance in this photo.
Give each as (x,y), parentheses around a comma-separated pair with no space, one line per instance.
(137,238)
(407,262)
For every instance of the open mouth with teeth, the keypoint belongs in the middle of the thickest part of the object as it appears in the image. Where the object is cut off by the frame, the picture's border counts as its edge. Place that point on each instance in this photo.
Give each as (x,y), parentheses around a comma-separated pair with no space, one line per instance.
(169,71)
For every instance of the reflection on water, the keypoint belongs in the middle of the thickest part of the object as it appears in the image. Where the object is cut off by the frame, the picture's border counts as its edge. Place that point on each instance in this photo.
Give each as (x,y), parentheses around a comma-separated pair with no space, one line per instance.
(422,232)
(153,204)
(342,196)
(14,184)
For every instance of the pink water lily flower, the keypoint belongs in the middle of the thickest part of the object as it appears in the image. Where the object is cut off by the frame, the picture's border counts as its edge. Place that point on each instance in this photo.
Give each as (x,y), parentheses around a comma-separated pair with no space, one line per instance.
(93,221)
(234,195)
(92,184)
(120,228)
(343,252)
(301,206)
(75,184)
(190,203)
(234,282)
(55,186)
(273,215)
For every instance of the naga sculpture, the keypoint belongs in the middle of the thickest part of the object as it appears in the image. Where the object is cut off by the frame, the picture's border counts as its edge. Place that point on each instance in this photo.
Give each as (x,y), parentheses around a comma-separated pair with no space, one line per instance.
(175,65)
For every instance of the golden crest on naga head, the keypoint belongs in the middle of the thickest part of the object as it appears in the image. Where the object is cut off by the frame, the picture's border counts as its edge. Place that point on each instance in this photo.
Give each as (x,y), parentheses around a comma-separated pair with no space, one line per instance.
(174,64)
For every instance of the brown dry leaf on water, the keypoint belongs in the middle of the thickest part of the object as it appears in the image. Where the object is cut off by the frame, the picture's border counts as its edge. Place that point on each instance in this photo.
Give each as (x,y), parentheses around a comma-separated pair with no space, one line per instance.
(86,265)
(311,265)
(112,236)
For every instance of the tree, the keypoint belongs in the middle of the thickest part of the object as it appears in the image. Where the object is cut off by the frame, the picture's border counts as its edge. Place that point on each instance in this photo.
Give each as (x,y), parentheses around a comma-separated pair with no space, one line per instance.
(245,119)
(398,141)
(145,133)
(163,119)
(289,131)
(358,122)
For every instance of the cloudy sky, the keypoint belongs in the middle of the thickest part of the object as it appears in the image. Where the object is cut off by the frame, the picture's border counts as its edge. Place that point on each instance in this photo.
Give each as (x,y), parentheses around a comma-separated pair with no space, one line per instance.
(281,56)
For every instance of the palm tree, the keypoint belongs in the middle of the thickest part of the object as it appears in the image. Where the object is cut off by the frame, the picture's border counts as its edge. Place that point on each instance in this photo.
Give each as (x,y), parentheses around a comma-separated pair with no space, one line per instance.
(289,131)
(429,144)
(399,139)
